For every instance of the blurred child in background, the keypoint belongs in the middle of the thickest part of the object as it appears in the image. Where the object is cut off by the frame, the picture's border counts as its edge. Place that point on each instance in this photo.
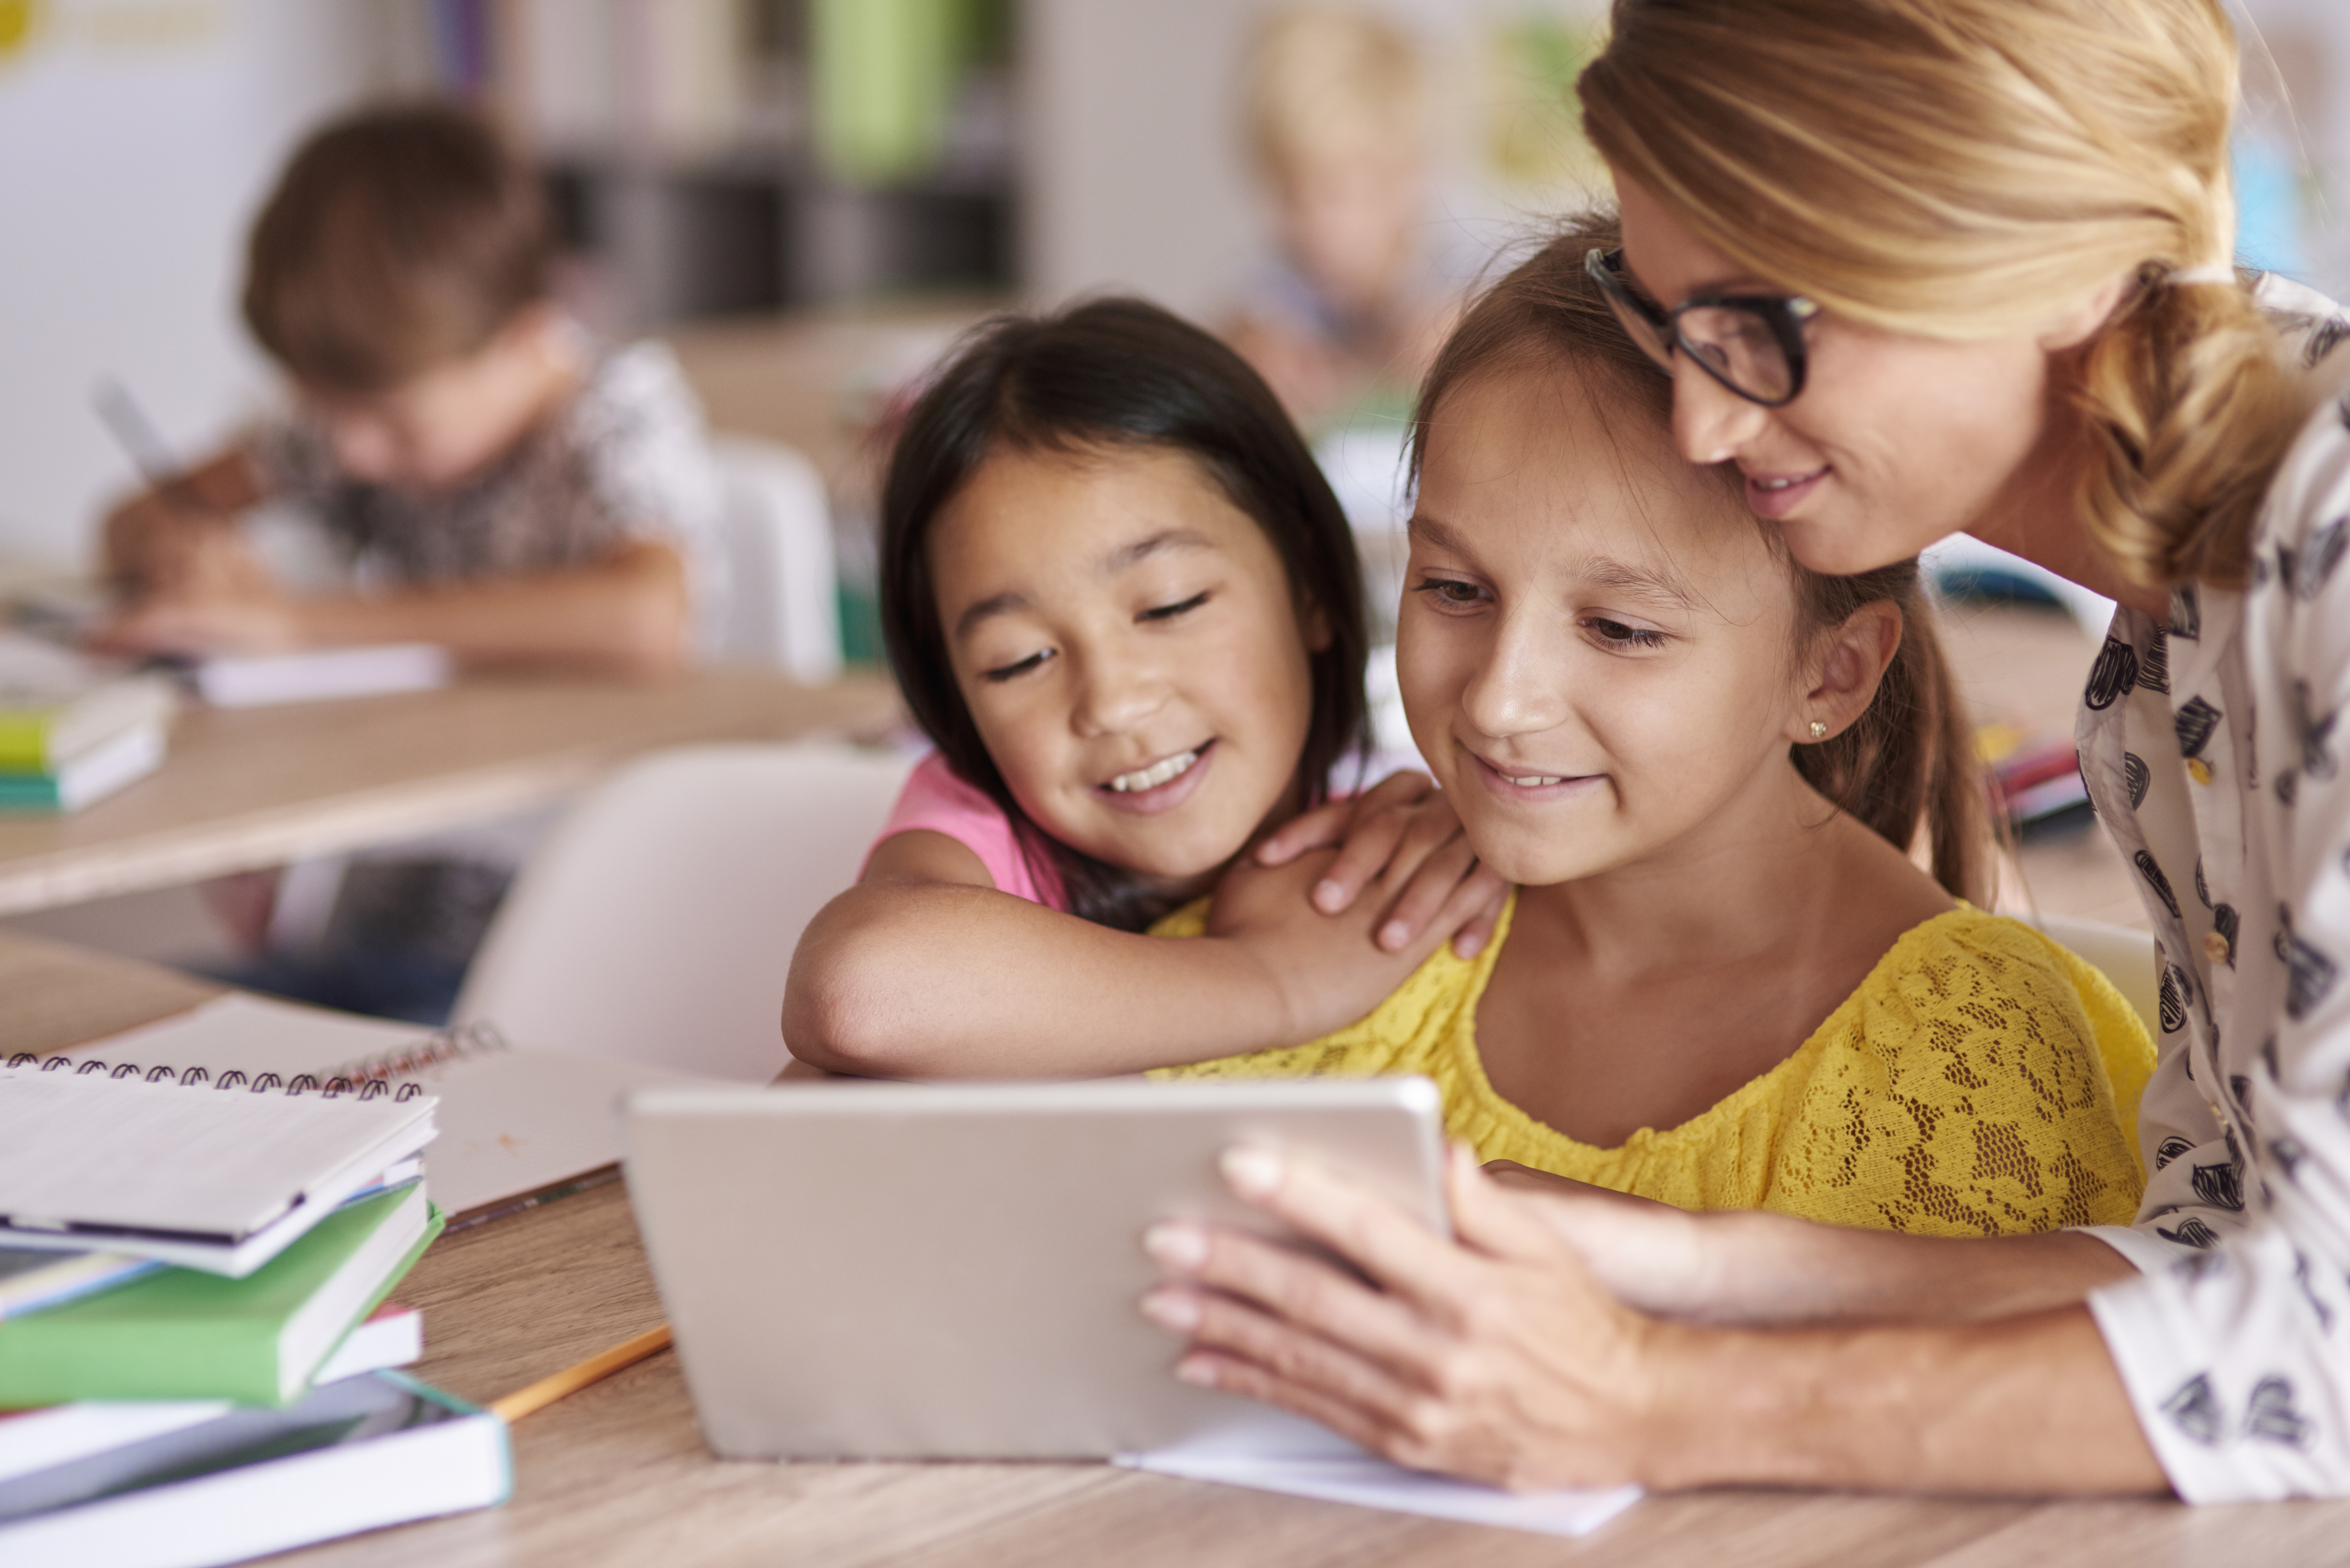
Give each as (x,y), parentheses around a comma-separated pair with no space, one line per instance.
(495,482)
(1349,308)
(498,483)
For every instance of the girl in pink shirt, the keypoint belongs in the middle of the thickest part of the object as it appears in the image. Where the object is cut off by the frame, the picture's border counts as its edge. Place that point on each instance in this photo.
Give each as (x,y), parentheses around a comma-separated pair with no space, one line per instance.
(1123,604)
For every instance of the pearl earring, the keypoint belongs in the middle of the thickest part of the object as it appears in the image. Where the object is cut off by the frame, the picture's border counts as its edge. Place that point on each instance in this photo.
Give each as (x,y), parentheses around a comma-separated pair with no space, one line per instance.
(1819,730)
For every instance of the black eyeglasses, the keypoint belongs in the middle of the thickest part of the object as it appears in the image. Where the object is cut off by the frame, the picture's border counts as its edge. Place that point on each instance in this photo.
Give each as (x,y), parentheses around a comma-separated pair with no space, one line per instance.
(1750,343)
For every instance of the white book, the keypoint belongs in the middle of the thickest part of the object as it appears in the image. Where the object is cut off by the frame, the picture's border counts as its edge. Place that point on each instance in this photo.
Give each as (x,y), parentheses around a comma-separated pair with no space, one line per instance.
(55,704)
(55,1435)
(392,1335)
(216,1175)
(121,759)
(511,1121)
(356,1455)
(257,680)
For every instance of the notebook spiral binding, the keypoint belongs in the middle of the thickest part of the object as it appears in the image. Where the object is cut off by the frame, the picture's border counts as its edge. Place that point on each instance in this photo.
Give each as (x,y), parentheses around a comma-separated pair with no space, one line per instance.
(369,1078)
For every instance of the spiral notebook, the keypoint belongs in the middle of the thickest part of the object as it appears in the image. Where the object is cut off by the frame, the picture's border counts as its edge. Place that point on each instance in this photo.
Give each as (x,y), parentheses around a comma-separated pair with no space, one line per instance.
(155,1166)
(512,1121)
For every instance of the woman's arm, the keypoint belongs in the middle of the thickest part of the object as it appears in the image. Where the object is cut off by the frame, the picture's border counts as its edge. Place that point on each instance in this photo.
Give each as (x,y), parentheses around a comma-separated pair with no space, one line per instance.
(627,613)
(1500,1358)
(1752,1268)
(924,969)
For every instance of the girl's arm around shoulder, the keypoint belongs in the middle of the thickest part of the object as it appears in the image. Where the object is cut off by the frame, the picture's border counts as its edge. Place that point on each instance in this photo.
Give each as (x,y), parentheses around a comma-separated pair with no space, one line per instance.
(924,969)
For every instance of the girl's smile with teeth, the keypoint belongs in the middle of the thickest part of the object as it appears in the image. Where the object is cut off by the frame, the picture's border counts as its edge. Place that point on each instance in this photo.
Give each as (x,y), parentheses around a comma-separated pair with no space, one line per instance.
(1511,779)
(1157,774)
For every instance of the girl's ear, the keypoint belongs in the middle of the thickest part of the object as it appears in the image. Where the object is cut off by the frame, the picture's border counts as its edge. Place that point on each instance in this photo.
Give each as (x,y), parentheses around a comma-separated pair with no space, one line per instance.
(1845,668)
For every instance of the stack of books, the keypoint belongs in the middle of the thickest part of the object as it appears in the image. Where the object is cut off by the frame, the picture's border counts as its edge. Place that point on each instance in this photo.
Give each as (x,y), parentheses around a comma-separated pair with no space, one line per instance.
(75,730)
(195,1340)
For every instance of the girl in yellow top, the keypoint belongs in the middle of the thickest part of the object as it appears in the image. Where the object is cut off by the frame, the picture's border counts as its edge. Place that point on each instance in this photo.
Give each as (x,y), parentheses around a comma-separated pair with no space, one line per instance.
(1724,982)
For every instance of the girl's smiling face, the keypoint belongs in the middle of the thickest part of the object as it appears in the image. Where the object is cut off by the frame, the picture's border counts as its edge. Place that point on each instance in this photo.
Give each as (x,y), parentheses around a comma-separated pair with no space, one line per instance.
(1127,640)
(1595,642)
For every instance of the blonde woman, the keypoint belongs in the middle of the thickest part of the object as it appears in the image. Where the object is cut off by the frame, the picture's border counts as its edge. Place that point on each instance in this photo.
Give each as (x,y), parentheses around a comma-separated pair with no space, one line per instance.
(1918,266)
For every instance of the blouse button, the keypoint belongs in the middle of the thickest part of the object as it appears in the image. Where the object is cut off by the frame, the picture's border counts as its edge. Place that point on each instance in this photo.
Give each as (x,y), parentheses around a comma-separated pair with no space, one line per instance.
(2199,770)
(2215,947)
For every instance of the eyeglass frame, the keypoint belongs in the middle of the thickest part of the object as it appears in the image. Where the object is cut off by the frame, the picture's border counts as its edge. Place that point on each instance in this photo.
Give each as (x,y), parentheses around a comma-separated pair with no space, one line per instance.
(1784,314)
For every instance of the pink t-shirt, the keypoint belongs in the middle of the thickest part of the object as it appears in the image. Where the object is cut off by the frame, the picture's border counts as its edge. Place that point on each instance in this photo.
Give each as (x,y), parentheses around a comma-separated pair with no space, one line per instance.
(936,799)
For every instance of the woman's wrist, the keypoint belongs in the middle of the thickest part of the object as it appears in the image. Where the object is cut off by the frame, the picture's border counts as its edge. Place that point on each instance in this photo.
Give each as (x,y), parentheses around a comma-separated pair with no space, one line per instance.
(2025,1406)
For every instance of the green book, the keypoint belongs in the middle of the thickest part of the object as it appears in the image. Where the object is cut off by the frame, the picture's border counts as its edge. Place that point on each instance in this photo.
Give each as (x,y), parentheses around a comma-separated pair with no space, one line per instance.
(182,1333)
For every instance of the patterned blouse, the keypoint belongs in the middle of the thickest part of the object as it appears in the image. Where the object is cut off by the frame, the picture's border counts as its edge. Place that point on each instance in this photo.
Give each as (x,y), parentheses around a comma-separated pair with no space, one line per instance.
(626,460)
(2213,752)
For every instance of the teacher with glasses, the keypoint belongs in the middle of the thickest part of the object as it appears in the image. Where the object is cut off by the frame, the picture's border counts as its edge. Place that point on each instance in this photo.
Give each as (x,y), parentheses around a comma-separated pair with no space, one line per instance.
(1919,267)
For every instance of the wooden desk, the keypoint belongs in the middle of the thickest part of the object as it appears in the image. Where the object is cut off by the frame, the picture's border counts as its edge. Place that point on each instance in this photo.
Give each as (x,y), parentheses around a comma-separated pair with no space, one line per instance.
(617,1474)
(243,789)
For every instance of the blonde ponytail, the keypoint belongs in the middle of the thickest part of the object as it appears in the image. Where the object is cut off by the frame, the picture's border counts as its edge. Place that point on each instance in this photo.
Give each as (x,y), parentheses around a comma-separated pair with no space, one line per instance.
(1969,169)
(2194,407)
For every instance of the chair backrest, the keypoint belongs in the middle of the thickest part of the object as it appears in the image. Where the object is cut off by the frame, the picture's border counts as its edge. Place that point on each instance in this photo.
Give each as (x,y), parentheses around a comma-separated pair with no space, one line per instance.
(657,922)
(2128,957)
(782,608)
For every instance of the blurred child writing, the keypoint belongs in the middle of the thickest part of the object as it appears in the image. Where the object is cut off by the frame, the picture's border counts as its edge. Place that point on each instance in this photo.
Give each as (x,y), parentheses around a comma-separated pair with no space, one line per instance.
(497,483)
(494,481)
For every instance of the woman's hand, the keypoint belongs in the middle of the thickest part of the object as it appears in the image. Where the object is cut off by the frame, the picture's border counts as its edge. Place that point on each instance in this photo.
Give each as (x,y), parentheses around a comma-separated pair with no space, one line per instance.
(1496,1356)
(1402,820)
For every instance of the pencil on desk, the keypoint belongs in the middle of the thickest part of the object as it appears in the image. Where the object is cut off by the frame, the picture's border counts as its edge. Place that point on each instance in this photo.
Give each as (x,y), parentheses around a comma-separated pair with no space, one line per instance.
(571,1379)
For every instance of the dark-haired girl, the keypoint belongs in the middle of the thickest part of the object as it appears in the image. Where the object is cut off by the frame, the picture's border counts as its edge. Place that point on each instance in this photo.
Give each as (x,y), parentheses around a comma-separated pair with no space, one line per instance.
(1123,605)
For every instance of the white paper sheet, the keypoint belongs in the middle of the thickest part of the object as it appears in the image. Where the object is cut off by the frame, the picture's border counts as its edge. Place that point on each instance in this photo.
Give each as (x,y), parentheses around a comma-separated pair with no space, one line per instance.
(1368,1482)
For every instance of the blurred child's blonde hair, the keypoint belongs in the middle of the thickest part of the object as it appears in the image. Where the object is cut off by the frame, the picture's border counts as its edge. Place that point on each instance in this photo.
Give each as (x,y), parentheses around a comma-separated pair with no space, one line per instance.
(1963,169)
(397,240)
(1325,77)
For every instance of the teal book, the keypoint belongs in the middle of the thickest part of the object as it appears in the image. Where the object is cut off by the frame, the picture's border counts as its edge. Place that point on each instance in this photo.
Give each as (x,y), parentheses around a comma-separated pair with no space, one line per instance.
(182,1333)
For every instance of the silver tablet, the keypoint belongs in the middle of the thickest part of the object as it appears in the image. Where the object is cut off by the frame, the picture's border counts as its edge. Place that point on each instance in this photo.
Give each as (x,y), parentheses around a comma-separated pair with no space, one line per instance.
(933,1271)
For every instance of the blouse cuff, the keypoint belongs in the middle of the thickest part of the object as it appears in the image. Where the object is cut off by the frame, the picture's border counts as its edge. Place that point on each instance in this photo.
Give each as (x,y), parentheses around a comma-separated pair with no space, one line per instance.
(2144,1252)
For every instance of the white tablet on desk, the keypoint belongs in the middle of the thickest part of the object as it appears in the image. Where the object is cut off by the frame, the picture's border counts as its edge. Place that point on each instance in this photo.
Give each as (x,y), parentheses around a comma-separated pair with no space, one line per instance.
(933,1270)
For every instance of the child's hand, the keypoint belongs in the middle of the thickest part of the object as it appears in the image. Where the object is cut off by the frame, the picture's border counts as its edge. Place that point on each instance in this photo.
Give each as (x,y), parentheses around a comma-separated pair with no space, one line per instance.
(148,539)
(1326,970)
(214,596)
(1404,821)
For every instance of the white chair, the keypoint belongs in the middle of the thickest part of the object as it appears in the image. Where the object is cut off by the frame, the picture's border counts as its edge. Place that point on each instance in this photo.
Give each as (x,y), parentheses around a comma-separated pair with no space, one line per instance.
(657,922)
(780,608)
(2127,957)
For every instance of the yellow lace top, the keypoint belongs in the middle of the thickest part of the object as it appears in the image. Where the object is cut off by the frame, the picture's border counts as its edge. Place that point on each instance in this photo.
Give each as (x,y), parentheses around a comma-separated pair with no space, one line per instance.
(1982,1081)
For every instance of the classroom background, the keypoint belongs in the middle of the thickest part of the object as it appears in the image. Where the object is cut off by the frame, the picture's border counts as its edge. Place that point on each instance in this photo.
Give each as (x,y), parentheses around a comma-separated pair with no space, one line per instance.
(808,199)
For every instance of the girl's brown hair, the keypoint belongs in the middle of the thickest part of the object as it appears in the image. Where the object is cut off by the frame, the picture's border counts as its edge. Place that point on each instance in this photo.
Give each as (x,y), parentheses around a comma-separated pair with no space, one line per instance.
(1906,766)
(1963,169)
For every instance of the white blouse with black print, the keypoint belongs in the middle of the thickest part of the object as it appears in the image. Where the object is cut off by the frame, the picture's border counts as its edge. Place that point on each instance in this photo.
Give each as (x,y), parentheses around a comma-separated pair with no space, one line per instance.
(2216,750)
